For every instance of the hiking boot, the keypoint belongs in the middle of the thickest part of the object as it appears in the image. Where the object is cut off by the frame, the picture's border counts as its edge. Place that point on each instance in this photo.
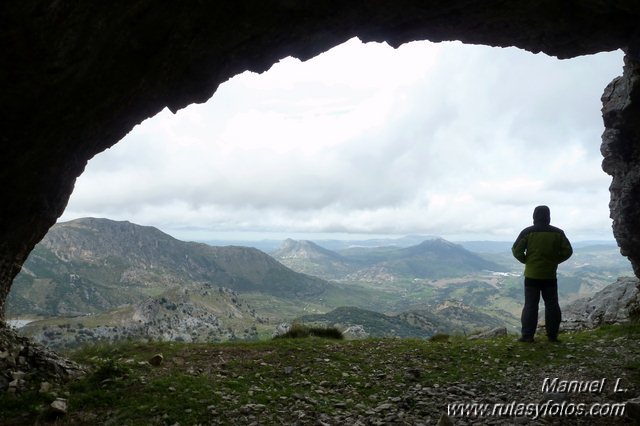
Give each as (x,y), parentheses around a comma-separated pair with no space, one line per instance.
(553,339)
(526,339)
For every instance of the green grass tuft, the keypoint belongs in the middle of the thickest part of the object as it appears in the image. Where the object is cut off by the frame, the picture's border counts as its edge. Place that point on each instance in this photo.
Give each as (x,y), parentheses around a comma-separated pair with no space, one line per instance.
(299,330)
(440,337)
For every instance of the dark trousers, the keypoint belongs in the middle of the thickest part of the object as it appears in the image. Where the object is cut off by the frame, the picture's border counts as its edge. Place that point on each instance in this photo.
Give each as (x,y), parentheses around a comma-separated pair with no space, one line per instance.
(532,290)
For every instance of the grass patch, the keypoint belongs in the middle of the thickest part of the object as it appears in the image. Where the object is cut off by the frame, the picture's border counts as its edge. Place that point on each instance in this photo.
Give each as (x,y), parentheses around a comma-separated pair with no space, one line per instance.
(277,381)
(25,408)
(439,337)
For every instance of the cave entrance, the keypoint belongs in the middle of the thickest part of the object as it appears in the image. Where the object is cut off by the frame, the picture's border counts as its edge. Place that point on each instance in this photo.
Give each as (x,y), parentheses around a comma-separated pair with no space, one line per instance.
(438,139)
(446,139)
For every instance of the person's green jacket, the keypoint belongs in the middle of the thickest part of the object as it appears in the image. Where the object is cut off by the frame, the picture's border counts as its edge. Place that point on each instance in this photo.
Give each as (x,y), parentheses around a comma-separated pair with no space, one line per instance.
(541,248)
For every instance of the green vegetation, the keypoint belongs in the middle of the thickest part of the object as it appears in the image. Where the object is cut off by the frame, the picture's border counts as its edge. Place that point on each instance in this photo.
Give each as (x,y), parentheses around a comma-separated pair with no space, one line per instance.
(440,337)
(90,266)
(377,324)
(288,380)
(298,330)
(94,280)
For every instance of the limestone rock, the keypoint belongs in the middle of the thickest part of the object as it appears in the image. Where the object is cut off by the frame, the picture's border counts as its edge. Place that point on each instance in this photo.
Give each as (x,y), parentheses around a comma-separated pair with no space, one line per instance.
(156,360)
(494,332)
(59,406)
(633,409)
(621,151)
(38,363)
(18,375)
(445,420)
(355,332)
(614,304)
(17,383)
(45,387)
(413,374)
(281,329)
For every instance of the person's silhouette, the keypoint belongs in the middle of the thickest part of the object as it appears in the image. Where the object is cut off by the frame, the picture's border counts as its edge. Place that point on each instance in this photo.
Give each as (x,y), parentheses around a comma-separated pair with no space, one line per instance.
(541,248)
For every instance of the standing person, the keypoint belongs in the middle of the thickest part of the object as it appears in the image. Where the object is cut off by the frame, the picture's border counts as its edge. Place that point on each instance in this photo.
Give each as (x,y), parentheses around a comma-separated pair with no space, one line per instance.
(541,248)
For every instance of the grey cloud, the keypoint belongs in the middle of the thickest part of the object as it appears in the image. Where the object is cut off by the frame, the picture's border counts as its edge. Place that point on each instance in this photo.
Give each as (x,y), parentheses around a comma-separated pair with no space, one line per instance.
(459,151)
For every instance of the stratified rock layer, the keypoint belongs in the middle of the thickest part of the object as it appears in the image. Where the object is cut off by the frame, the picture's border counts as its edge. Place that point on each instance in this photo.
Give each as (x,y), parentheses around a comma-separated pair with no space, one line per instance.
(25,365)
(618,303)
(77,76)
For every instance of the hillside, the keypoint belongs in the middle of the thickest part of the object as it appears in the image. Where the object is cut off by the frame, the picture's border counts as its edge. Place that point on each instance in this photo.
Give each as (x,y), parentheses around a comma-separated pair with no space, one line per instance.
(375,324)
(100,280)
(436,258)
(194,314)
(431,259)
(91,265)
(451,317)
(309,258)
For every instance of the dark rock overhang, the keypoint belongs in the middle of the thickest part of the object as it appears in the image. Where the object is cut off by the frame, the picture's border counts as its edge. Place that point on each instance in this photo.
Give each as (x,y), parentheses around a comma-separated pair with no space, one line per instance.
(77,76)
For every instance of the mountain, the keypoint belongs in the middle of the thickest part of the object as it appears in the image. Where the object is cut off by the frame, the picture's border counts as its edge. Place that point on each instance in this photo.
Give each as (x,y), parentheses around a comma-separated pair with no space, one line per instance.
(431,259)
(271,245)
(90,265)
(123,280)
(436,258)
(406,241)
(487,246)
(309,258)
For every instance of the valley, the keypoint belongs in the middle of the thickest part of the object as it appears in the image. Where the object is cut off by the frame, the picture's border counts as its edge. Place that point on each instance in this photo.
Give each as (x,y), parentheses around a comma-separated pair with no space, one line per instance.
(95,280)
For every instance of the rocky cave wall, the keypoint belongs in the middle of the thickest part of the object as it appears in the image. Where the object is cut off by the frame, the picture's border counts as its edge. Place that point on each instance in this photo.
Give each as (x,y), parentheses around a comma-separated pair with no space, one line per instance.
(77,76)
(621,151)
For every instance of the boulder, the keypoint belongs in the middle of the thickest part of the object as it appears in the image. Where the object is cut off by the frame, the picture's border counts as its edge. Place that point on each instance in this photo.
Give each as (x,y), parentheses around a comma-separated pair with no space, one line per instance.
(494,332)
(59,406)
(615,304)
(37,363)
(281,329)
(156,360)
(355,332)
(633,409)
(445,420)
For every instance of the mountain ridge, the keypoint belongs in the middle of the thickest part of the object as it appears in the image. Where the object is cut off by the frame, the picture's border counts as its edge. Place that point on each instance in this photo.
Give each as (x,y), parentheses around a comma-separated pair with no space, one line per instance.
(432,258)
(87,258)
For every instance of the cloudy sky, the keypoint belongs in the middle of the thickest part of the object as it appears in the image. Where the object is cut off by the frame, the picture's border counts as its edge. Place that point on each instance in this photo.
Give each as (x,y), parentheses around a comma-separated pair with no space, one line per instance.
(442,139)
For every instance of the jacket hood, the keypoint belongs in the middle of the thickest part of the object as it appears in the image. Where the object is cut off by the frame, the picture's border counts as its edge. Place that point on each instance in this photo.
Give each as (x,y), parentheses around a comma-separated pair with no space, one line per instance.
(541,215)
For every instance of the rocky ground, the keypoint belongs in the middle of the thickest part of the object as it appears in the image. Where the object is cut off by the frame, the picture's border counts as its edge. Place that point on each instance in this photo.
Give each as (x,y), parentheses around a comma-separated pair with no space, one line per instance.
(619,302)
(324,382)
(25,364)
(195,314)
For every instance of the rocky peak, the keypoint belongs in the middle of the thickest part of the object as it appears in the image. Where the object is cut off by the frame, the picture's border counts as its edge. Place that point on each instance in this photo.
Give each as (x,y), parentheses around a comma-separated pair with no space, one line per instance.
(303,249)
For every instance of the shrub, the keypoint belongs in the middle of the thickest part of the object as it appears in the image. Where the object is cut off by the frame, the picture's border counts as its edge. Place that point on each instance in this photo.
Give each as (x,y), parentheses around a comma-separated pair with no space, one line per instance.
(439,337)
(329,333)
(109,369)
(298,330)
